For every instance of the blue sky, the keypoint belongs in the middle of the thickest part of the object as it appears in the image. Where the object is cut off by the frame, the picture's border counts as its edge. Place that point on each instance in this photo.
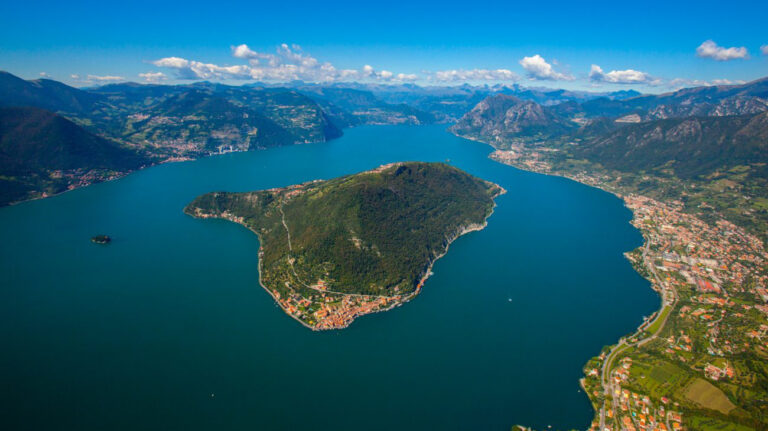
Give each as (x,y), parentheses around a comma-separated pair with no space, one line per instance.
(650,46)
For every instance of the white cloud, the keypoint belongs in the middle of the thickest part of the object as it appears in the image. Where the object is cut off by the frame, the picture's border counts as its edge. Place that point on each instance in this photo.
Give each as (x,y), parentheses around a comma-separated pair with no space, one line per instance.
(725,82)
(764,49)
(709,49)
(242,51)
(172,62)
(104,78)
(460,75)
(629,76)
(288,63)
(678,83)
(187,69)
(406,77)
(75,76)
(153,77)
(539,69)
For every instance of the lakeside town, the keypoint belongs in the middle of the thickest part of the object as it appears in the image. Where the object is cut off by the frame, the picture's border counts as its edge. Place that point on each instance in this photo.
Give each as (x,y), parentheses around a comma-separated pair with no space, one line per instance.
(699,361)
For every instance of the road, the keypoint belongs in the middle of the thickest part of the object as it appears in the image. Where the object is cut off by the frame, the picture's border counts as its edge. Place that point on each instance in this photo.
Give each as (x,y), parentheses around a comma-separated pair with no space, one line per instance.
(623,344)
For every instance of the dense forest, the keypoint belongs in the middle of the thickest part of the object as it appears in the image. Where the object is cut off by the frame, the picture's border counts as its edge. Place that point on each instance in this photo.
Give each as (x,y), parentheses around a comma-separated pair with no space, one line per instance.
(371,233)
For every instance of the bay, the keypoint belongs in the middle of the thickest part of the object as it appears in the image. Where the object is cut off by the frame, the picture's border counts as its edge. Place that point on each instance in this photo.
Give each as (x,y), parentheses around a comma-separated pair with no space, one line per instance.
(167,327)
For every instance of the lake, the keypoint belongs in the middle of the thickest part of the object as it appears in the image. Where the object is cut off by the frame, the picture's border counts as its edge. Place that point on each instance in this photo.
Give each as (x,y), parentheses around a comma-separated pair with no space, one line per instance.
(167,326)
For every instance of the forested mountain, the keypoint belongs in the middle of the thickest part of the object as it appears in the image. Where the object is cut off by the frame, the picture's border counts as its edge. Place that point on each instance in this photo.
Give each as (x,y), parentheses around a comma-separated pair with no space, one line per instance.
(690,147)
(373,233)
(112,111)
(44,153)
(194,122)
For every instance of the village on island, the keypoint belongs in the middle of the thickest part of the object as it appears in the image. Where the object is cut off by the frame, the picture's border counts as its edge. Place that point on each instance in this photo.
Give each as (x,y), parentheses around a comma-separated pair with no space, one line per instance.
(307,290)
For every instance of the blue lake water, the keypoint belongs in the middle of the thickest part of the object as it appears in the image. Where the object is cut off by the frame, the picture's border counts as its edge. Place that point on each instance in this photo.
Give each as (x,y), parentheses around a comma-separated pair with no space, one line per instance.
(167,327)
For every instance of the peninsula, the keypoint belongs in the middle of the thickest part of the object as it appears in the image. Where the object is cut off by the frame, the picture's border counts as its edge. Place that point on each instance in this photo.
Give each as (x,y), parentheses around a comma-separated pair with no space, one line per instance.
(335,250)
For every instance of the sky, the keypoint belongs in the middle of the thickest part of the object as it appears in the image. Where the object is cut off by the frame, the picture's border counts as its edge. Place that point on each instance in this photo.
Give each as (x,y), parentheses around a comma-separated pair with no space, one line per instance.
(652,46)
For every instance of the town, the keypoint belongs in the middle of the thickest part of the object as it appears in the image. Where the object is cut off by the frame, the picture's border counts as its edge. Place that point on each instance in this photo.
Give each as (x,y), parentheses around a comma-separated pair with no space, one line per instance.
(684,365)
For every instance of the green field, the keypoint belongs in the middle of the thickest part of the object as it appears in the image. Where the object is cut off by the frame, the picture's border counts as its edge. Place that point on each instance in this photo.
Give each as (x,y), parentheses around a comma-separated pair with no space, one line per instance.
(710,424)
(654,328)
(708,396)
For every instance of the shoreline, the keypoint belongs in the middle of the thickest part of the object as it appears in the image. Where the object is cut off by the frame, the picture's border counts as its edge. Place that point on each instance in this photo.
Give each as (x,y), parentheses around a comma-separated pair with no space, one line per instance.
(168,160)
(708,273)
(461,231)
(616,347)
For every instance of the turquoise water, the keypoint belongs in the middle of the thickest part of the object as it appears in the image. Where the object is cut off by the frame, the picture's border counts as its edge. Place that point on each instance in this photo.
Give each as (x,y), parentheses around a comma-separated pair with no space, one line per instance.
(140,333)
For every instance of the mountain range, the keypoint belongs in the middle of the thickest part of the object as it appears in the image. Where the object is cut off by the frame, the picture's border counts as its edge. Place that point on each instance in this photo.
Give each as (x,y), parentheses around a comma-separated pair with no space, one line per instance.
(500,118)
(693,129)
(705,146)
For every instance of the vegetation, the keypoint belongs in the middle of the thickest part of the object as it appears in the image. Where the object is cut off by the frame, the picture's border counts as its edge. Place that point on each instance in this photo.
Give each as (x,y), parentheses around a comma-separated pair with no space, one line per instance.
(708,396)
(373,233)
(41,152)
(714,165)
(707,361)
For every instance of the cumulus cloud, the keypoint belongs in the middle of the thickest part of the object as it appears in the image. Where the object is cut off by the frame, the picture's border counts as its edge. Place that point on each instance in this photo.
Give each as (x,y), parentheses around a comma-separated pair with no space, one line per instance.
(242,51)
(288,63)
(709,49)
(44,75)
(628,76)
(764,49)
(460,75)
(539,69)
(153,77)
(104,78)
(188,69)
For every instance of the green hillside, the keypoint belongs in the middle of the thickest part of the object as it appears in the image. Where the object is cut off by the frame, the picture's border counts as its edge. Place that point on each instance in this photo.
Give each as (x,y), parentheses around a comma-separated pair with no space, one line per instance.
(41,152)
(373,233)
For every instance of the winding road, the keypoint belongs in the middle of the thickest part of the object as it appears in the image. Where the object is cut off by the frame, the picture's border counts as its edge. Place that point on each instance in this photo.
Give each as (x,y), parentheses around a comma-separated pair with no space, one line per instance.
(623,344)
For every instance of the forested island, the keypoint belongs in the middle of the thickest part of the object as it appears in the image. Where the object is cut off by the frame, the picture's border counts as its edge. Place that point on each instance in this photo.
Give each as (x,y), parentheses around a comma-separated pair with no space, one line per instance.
(334,250)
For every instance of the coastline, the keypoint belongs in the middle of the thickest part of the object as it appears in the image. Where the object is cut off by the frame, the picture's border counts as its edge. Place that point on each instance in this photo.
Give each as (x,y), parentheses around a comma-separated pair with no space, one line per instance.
(619,346)
(461,231)
(167,160)
(709,275)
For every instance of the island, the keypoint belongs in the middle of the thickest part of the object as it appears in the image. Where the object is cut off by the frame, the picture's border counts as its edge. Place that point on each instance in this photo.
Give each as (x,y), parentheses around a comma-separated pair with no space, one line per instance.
(331,251)
(101,239)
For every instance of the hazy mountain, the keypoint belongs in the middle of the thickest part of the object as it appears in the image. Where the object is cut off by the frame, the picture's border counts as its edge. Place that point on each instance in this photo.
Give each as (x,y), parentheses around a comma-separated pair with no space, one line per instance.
(349,107)
(46,94)
(716,100)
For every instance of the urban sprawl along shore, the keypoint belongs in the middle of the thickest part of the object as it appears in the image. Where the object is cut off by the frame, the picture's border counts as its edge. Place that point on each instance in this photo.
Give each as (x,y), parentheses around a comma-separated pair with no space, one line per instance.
(697,362)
